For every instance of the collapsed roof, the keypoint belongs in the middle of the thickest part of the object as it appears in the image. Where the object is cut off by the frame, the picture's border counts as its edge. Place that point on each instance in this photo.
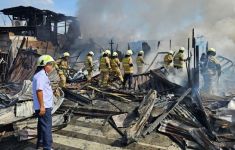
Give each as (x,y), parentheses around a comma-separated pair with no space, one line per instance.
(23,13)
(31,21)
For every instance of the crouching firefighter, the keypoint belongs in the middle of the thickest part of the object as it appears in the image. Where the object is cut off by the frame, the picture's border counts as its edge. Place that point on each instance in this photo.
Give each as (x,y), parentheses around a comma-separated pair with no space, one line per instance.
(211,72)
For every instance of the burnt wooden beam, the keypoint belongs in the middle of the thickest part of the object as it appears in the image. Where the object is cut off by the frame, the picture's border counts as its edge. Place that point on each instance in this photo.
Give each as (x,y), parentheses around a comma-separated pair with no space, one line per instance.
(163,116)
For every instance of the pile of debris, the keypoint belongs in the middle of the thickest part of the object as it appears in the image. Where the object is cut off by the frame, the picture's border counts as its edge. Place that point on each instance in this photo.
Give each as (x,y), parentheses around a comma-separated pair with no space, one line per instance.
(154,104)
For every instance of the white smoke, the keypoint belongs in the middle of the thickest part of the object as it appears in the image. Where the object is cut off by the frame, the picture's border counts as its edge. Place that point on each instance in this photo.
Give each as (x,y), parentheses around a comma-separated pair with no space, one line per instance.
(128,20)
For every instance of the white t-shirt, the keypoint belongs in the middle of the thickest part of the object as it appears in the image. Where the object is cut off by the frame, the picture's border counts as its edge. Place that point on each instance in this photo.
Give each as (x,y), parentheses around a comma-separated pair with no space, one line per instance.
(42,82)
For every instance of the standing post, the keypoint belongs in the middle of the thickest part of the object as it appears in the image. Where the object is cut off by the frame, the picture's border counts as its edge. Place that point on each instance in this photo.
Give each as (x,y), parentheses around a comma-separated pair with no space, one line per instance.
(65,27)
(111,46)
(170,44)
(194,48)
(196,80)
(189,65)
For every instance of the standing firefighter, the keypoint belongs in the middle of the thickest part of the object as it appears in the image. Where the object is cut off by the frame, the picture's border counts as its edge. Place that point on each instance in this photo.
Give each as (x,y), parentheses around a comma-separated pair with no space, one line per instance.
(116,65)
(168,59)
(89,65)
(140,62)
(179,59)
(211,72)
(128,69)
(105,68)
(63,67)
(43,101)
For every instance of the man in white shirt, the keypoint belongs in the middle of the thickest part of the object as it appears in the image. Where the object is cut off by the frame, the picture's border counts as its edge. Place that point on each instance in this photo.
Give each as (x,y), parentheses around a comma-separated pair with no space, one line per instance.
(43,101)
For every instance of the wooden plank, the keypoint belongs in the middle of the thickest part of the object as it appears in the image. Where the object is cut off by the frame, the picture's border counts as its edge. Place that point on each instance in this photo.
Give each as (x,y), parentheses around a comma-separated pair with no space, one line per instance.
(164,115)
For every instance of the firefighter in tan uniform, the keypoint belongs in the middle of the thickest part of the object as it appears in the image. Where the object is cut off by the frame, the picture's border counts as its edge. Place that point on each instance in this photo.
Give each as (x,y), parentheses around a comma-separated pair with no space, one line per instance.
(179,59)
(115,65)
(62,65)
(140,62)
(128,69)
(168,59)
(211,72)
(89,65)
(105,68)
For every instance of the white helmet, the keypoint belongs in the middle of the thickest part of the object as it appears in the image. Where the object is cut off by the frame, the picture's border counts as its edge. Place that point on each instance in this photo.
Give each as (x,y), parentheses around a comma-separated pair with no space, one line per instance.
(211,50)
(44,59)
(182,49)
(141,52)
(66,54)
(108,52)
(91,53)
(171,52)
(115,54)
(129,52)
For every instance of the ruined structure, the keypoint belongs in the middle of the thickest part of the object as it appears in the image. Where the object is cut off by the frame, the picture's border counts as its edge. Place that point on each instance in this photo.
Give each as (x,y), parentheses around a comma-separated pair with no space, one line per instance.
(36,30)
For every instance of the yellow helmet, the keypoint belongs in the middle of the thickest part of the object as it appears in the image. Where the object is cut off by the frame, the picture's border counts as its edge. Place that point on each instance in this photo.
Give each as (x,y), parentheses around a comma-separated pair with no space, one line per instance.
(129,52)
(141,52)
(44,59)
(91,53)
(66,54)
(211,50)
(108,52)
(115,54)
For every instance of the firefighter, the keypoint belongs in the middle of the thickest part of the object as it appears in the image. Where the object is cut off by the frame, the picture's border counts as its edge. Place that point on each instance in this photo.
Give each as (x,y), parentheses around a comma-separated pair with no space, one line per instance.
(116,65)
(211,72)
(179,59)
(140,62)
(63,67)
(105,68)
(128,68)
(168,59)
(89,65)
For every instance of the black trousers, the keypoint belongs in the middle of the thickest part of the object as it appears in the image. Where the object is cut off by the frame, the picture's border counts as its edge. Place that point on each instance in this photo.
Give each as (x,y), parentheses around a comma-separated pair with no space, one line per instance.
(128,77)
(44,129)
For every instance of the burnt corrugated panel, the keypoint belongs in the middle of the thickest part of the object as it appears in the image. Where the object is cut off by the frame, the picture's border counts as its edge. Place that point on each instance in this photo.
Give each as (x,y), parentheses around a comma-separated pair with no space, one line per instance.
(23,67)
(160,83)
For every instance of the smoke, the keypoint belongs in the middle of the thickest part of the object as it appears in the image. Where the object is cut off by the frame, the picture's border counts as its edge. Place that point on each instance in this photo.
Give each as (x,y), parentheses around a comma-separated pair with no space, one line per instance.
(129,20)
(132,20)
(135,19)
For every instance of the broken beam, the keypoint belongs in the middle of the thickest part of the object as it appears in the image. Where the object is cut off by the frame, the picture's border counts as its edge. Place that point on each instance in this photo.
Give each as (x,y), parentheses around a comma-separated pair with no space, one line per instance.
(159,119)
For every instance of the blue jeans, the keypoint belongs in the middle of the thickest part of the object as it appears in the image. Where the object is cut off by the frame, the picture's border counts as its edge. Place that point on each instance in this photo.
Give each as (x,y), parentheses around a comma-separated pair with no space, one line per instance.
(44,129)
(127,77)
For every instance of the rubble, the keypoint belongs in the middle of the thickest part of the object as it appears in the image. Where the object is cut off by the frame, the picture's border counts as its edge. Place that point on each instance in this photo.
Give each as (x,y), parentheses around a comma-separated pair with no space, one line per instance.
(166,108)
(154,108)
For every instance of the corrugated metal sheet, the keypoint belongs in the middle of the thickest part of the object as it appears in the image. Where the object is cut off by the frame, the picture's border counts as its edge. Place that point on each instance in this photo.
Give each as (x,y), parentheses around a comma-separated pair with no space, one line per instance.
(23,67)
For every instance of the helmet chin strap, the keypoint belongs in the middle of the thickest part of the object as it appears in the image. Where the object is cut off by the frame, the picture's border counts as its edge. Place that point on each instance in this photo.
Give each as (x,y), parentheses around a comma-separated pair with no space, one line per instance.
(42,62)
